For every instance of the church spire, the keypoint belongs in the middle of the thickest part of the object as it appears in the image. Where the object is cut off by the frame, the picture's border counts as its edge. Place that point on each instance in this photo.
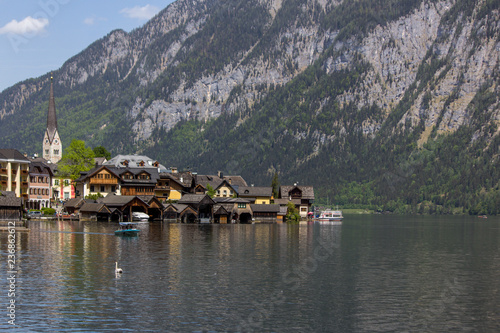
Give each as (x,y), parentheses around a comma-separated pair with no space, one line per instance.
(52,146)
(51,117)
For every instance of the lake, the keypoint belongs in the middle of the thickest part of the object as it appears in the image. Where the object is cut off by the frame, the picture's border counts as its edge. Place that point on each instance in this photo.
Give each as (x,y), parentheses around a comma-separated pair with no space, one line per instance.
(373,273)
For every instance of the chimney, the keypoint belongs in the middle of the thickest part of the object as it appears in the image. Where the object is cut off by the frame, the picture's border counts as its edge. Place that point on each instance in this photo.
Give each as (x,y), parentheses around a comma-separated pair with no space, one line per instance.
(220,174)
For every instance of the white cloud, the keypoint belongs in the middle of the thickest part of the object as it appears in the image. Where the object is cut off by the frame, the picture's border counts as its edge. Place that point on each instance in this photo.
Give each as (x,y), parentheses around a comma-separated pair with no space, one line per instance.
(142,13)
(29,25)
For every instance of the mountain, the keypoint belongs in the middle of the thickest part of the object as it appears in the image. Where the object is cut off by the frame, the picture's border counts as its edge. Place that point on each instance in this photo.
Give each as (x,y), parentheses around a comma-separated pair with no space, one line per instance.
(387,104)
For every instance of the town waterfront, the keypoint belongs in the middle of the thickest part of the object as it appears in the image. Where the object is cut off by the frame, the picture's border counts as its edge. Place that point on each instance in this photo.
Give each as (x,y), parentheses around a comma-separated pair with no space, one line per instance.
(373,273)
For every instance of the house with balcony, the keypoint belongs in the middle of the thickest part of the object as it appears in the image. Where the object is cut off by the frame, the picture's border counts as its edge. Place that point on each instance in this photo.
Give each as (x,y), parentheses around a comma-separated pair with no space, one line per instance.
(14,173)
(40,184)
(172,186)
(301,196)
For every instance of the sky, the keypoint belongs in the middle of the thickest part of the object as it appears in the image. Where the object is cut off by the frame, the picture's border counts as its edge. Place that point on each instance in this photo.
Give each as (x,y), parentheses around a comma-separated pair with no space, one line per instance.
(38,36)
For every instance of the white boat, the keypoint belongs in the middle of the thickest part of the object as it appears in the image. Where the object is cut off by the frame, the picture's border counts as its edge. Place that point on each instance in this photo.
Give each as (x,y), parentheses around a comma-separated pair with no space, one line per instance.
(140,216)
(330,216)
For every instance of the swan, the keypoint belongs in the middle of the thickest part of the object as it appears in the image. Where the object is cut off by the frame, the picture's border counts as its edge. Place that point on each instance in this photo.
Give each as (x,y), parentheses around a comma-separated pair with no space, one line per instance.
(117,269)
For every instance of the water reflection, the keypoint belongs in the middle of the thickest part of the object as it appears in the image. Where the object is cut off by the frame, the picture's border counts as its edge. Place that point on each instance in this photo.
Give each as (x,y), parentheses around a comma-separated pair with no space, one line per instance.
(373,273)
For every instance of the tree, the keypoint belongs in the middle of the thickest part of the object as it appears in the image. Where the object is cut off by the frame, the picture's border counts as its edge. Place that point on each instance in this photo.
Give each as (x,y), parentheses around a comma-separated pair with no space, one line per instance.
(275,184)
(210,191)
(94,196)
(100,151)
(292,213)
(76,158)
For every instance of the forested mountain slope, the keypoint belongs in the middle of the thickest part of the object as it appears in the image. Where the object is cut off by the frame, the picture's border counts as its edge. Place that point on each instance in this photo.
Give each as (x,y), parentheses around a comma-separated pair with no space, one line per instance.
(392,104)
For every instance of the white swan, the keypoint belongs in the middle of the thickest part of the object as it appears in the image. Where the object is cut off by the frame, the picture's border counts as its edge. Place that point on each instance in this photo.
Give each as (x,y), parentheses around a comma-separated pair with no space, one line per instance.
(117,269)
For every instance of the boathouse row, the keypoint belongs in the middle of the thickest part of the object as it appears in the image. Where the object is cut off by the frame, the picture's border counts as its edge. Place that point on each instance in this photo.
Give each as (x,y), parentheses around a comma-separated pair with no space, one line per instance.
(193,207)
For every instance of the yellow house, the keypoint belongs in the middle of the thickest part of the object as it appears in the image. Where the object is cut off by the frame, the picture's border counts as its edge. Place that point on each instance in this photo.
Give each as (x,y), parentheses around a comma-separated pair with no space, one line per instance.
(225,190)
(256,194)
(14,172)
(170,187)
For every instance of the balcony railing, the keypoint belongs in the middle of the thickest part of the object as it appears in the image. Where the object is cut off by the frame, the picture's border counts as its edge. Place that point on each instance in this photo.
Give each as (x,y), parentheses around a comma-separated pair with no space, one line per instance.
(24,184)
(3,171)
(103,181)
(162,188)
(24,172)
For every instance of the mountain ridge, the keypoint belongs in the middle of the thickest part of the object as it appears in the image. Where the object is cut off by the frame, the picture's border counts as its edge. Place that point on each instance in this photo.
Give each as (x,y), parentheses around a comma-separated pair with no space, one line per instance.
(258,87)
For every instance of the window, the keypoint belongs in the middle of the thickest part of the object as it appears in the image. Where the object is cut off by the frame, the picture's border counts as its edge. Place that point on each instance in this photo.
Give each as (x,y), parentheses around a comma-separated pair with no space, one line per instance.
(66,195)
(56,182)
(56,151)
(113,189)
(46,151)
(92,188)
(242,205)
(66,182)
(102,188)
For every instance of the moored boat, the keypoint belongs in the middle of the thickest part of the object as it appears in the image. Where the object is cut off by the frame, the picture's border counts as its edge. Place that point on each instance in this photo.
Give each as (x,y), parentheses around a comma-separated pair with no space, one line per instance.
(330,216)
(127,229)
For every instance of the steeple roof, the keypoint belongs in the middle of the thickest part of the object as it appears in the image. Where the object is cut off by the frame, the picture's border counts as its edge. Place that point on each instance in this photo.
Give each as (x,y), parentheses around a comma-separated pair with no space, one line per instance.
(51,117)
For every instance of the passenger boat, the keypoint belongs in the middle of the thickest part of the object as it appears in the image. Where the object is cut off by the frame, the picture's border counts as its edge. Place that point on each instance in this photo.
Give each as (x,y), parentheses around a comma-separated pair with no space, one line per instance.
(330,216)
(127,229)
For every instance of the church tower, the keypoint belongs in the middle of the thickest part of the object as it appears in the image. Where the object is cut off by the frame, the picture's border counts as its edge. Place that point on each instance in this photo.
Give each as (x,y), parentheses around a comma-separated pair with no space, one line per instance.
(52,147)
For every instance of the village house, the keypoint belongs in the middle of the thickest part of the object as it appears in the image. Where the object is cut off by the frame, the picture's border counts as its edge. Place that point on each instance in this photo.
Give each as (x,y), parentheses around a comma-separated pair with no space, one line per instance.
(257,194)
(14,173)
(301,196)
(171,186)
(40,184)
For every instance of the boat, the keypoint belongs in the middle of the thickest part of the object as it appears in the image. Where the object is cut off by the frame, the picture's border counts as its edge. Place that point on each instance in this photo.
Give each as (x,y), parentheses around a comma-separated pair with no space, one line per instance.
(140,216)
(330,216)
(127,229)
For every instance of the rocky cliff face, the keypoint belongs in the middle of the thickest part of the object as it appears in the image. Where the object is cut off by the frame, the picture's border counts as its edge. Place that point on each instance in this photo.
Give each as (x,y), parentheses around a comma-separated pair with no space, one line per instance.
(435,58)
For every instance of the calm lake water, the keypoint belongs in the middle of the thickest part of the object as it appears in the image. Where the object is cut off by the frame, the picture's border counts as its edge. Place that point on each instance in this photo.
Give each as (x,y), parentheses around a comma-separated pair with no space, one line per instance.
(370,274)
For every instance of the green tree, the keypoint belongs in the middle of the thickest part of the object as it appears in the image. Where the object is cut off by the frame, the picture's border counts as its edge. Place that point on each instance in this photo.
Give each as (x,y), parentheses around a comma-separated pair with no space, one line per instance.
(275,184)
(292,213)
(210,191)
(94,196)
(100,151)
(76,158)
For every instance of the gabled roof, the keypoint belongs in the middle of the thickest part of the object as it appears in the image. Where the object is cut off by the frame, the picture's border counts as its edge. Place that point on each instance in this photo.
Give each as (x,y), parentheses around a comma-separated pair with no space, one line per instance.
(134,161)
(94,207)
(175,178)
(251,191)
(12,155)
(307,191)
(176,207)
(195,199)
(9,199)
(221,209)
(40,167)
(236,180)
(98,169)
(118,200)
(75,202)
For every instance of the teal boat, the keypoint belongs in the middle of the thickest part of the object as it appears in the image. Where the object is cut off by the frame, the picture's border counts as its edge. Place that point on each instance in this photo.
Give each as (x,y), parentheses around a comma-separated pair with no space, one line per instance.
(127,229)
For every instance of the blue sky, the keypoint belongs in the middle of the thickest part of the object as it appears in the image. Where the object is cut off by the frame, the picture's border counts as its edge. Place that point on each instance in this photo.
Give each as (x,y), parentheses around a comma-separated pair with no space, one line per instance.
(38,36)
